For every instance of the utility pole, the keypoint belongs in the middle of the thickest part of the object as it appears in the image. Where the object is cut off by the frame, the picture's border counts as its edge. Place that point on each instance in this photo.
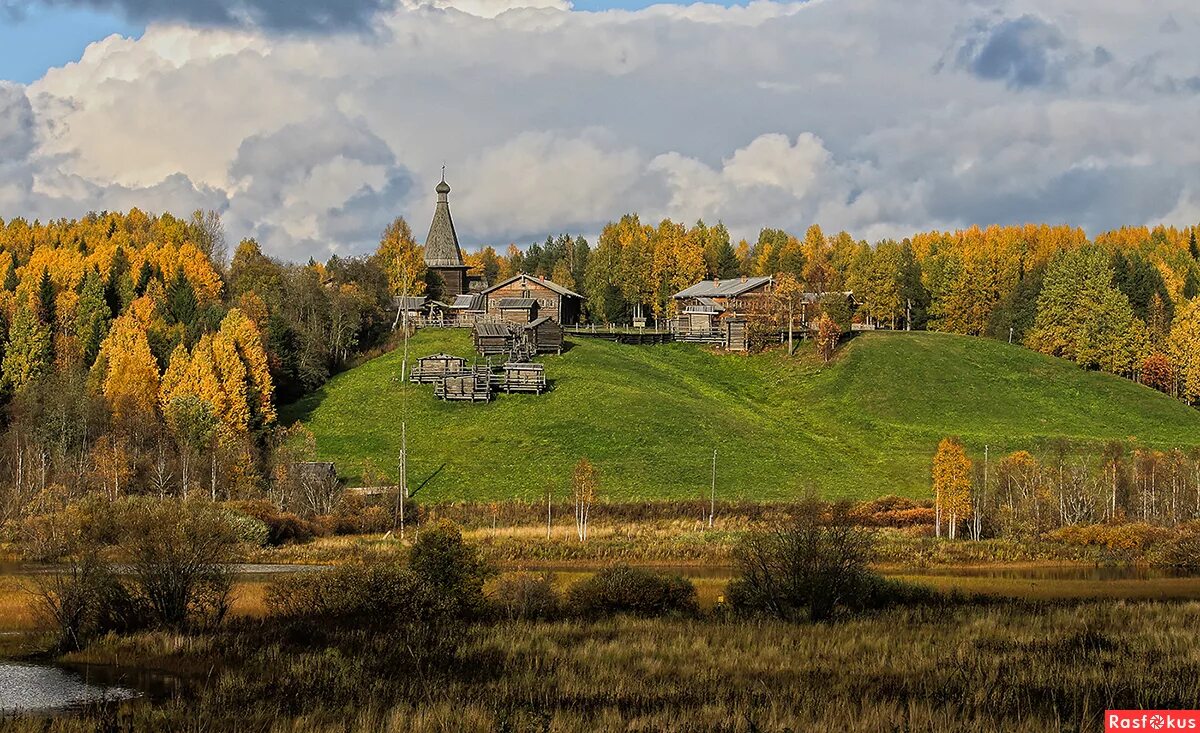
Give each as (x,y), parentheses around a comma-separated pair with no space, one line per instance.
(712,495)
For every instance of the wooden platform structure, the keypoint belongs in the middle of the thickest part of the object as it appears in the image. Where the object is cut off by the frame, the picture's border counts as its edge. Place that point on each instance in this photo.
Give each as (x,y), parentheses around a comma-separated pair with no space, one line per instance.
(524,377)
(465,388)
(429,369)
(632,336)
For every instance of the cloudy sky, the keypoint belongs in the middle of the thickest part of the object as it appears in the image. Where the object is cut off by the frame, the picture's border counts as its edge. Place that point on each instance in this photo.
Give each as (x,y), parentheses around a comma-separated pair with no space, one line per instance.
(311,123)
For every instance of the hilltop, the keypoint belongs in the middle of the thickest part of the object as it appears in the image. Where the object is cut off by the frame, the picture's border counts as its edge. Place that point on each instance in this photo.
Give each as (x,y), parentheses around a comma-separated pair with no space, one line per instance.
(650,416)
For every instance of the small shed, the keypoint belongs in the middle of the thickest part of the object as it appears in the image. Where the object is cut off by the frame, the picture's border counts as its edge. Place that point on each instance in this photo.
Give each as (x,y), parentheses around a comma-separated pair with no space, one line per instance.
(518,310)
(430,369)
(524,377)
(409,309)
(437,313)
(467,309)
(737,335)
(543,336)
(492,338)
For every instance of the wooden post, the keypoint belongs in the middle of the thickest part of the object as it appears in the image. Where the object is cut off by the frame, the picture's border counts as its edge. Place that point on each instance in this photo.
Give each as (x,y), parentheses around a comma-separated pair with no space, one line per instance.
(712,496)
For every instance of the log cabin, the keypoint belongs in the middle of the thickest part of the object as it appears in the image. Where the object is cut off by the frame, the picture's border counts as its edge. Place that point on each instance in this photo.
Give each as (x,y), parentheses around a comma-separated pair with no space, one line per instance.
(553,300)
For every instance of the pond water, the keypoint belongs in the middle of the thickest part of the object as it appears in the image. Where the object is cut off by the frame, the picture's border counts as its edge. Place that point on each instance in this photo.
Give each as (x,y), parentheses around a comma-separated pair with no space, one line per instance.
(36,688)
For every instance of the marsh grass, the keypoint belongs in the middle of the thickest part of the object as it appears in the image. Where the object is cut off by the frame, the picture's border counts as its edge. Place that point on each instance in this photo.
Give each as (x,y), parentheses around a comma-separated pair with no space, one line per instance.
(978,667)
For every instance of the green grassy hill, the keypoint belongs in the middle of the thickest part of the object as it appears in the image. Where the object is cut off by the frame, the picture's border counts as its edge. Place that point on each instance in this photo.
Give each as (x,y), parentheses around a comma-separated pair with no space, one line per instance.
(649,417)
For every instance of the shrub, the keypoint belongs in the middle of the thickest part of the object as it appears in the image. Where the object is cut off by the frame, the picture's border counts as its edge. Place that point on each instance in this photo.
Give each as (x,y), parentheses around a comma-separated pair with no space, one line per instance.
(811,568)
(454,568)
(526,597)
(179,554)
(635,591)
(407,616)
(249,530)
(1183,550)
(86,600)
(282,527)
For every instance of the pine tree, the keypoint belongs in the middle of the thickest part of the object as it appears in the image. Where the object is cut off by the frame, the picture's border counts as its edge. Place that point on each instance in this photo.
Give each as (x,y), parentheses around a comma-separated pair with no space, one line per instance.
(92,317)
(28,355)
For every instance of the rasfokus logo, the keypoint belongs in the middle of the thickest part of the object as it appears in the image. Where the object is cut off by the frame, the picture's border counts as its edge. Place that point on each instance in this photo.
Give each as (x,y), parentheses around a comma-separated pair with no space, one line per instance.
(1151,720)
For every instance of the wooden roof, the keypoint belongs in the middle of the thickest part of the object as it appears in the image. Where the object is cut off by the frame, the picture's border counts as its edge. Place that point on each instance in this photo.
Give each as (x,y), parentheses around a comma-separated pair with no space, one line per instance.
(549,284)
(517,303)
(730,288)
(492,329)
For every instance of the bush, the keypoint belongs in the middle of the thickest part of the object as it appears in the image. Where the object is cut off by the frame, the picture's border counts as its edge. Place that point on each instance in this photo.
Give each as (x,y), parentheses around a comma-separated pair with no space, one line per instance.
(812,568)
(454,568)
(526,597)
(625,590)
(178,554)
(87,600)
(282,527)
(1183,550)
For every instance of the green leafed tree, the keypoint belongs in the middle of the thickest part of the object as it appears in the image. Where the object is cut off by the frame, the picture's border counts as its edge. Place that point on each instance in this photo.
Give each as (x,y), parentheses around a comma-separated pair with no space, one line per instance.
(1083,317)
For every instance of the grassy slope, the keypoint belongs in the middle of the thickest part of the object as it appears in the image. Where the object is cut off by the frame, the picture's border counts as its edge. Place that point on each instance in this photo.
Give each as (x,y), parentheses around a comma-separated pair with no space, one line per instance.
(649,418)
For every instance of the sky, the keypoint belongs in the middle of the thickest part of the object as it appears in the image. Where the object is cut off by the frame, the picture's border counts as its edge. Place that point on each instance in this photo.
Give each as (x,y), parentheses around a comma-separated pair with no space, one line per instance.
(310,124)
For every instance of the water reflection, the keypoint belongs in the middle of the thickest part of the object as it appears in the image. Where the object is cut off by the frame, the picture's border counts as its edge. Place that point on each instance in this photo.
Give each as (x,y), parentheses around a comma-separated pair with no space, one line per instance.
(35,688)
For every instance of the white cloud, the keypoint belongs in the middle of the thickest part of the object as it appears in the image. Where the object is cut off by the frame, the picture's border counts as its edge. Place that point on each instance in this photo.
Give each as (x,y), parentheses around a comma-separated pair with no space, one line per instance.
(870,115)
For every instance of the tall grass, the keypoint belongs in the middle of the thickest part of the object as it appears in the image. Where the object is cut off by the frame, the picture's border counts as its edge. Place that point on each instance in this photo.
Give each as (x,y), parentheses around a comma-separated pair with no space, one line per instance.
(997,667)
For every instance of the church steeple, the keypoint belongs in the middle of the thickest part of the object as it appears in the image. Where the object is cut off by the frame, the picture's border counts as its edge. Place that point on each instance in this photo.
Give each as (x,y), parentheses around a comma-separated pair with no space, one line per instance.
(442,253)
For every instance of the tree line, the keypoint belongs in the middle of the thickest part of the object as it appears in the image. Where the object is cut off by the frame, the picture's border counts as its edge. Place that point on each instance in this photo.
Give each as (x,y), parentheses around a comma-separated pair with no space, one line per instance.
(1025,494)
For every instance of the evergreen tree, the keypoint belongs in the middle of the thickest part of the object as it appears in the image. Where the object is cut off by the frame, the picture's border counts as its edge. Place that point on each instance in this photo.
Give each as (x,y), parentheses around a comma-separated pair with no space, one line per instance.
(92,317)
(28,355)
(181,300)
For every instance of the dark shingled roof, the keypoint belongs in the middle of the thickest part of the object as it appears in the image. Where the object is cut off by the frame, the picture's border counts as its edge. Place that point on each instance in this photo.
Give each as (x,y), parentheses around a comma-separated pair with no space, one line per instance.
(522,303)
(492,329)
(441,246)
(410,303)
(471,302)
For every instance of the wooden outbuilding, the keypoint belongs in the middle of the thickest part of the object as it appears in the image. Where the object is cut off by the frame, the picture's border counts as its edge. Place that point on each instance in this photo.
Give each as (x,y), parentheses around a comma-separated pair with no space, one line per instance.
(524,377)
(492,338)
(737,334)
(543,336)
(430,369)
(467,309)
(553,300)
(517,310)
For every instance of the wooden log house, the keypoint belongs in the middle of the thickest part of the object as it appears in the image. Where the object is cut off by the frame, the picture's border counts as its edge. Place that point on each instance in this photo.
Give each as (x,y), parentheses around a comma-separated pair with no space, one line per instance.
(553,300)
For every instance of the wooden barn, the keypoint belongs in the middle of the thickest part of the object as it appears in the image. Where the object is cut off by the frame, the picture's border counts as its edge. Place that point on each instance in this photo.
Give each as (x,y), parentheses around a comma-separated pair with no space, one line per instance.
(429,369)
(492,338)
(553,300)
(542,336)
(517,310)
(700,321)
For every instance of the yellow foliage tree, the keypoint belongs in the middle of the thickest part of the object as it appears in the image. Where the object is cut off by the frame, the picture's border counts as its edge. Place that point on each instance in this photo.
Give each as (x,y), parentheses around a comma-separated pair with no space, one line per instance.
(128,372)
(951,485)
